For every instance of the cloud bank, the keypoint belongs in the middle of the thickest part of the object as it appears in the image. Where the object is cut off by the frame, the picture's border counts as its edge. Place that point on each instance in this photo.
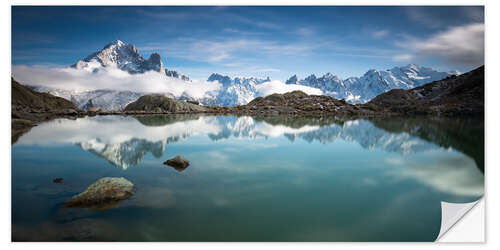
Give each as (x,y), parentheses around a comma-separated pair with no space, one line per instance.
(110,78)
(279,87)
(459,45)
(378,34)
(150,82)
(453,175)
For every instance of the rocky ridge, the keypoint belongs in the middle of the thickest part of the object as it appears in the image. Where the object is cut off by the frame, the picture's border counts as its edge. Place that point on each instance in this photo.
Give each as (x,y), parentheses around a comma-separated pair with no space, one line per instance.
(29,107)
(297,102)
(454,95)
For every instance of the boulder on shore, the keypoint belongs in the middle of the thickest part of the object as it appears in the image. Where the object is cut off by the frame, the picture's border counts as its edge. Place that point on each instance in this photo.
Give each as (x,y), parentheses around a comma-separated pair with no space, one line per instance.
(161,104)
(178,162)
(105,193)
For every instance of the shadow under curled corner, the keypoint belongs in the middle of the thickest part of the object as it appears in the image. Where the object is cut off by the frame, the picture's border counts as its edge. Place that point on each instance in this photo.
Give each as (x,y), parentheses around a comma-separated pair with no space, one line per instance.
(452,213)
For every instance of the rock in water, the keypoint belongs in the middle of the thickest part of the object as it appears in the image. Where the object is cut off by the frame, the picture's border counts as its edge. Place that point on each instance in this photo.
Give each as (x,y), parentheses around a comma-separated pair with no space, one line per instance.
(178,162)
(105,193)
(57,180)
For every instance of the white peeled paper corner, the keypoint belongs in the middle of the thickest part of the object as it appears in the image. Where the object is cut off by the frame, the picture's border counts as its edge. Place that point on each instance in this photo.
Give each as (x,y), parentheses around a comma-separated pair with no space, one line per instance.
(451,213)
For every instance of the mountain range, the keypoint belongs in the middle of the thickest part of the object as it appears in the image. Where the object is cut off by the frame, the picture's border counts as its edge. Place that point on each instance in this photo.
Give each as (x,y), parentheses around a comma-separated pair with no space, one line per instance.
(373,83)
(233,90)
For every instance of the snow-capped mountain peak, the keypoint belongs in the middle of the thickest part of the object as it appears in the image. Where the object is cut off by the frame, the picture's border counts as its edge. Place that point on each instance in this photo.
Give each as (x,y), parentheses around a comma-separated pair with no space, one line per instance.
(411,66)
(116,54)
(155,62)
(328,75)
(126,57)
(225,80)
(292,80)
(234,91)
(311,78)
(118,43)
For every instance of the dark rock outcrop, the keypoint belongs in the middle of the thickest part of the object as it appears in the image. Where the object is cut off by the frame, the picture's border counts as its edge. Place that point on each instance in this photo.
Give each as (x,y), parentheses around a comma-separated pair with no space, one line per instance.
(29,107)
(454,95)
(162,104)
(26,99)
(297,102)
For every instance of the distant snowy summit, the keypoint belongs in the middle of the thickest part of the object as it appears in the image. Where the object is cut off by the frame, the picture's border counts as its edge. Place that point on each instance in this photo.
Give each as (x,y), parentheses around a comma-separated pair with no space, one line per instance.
(234,91)
(126,57)
(372,83)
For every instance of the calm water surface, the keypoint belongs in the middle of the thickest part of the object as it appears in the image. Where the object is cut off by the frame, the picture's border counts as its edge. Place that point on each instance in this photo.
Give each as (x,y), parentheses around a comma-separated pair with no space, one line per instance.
(250,179)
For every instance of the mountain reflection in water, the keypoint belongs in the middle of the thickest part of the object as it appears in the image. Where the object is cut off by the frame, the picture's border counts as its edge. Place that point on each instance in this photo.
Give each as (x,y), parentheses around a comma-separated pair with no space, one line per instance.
(124,141)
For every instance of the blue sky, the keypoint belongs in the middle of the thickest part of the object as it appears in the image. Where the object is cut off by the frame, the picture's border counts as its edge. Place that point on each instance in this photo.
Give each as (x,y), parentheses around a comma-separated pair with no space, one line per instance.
(257,41)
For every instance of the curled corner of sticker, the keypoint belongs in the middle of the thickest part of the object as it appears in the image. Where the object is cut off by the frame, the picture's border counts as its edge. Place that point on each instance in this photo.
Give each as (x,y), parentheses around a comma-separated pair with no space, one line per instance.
(451,213)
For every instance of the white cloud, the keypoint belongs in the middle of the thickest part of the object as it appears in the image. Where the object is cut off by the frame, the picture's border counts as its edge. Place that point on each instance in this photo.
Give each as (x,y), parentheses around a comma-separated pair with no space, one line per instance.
(454,176)
(403,57)
(114,130)
(110,78)
(462,44)
(279,87)
(251,71)
(459,45)
(306,31)
(380,34)
(242,32)
(280,130)
(227,50)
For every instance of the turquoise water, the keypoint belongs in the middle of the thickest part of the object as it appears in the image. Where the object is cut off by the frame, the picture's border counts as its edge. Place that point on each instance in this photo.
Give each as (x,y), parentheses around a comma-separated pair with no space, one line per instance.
(251,179)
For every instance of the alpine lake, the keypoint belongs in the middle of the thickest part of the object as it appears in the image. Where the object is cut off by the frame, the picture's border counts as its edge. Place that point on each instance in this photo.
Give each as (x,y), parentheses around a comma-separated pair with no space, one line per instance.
(277,178)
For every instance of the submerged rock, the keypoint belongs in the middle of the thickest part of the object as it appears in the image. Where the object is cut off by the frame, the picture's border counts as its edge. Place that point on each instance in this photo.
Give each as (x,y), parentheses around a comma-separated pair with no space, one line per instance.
(178,162)
(57,180)
(103,194)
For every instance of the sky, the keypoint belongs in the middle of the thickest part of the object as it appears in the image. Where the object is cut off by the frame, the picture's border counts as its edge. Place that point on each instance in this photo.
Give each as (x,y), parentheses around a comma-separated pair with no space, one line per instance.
(257,41)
